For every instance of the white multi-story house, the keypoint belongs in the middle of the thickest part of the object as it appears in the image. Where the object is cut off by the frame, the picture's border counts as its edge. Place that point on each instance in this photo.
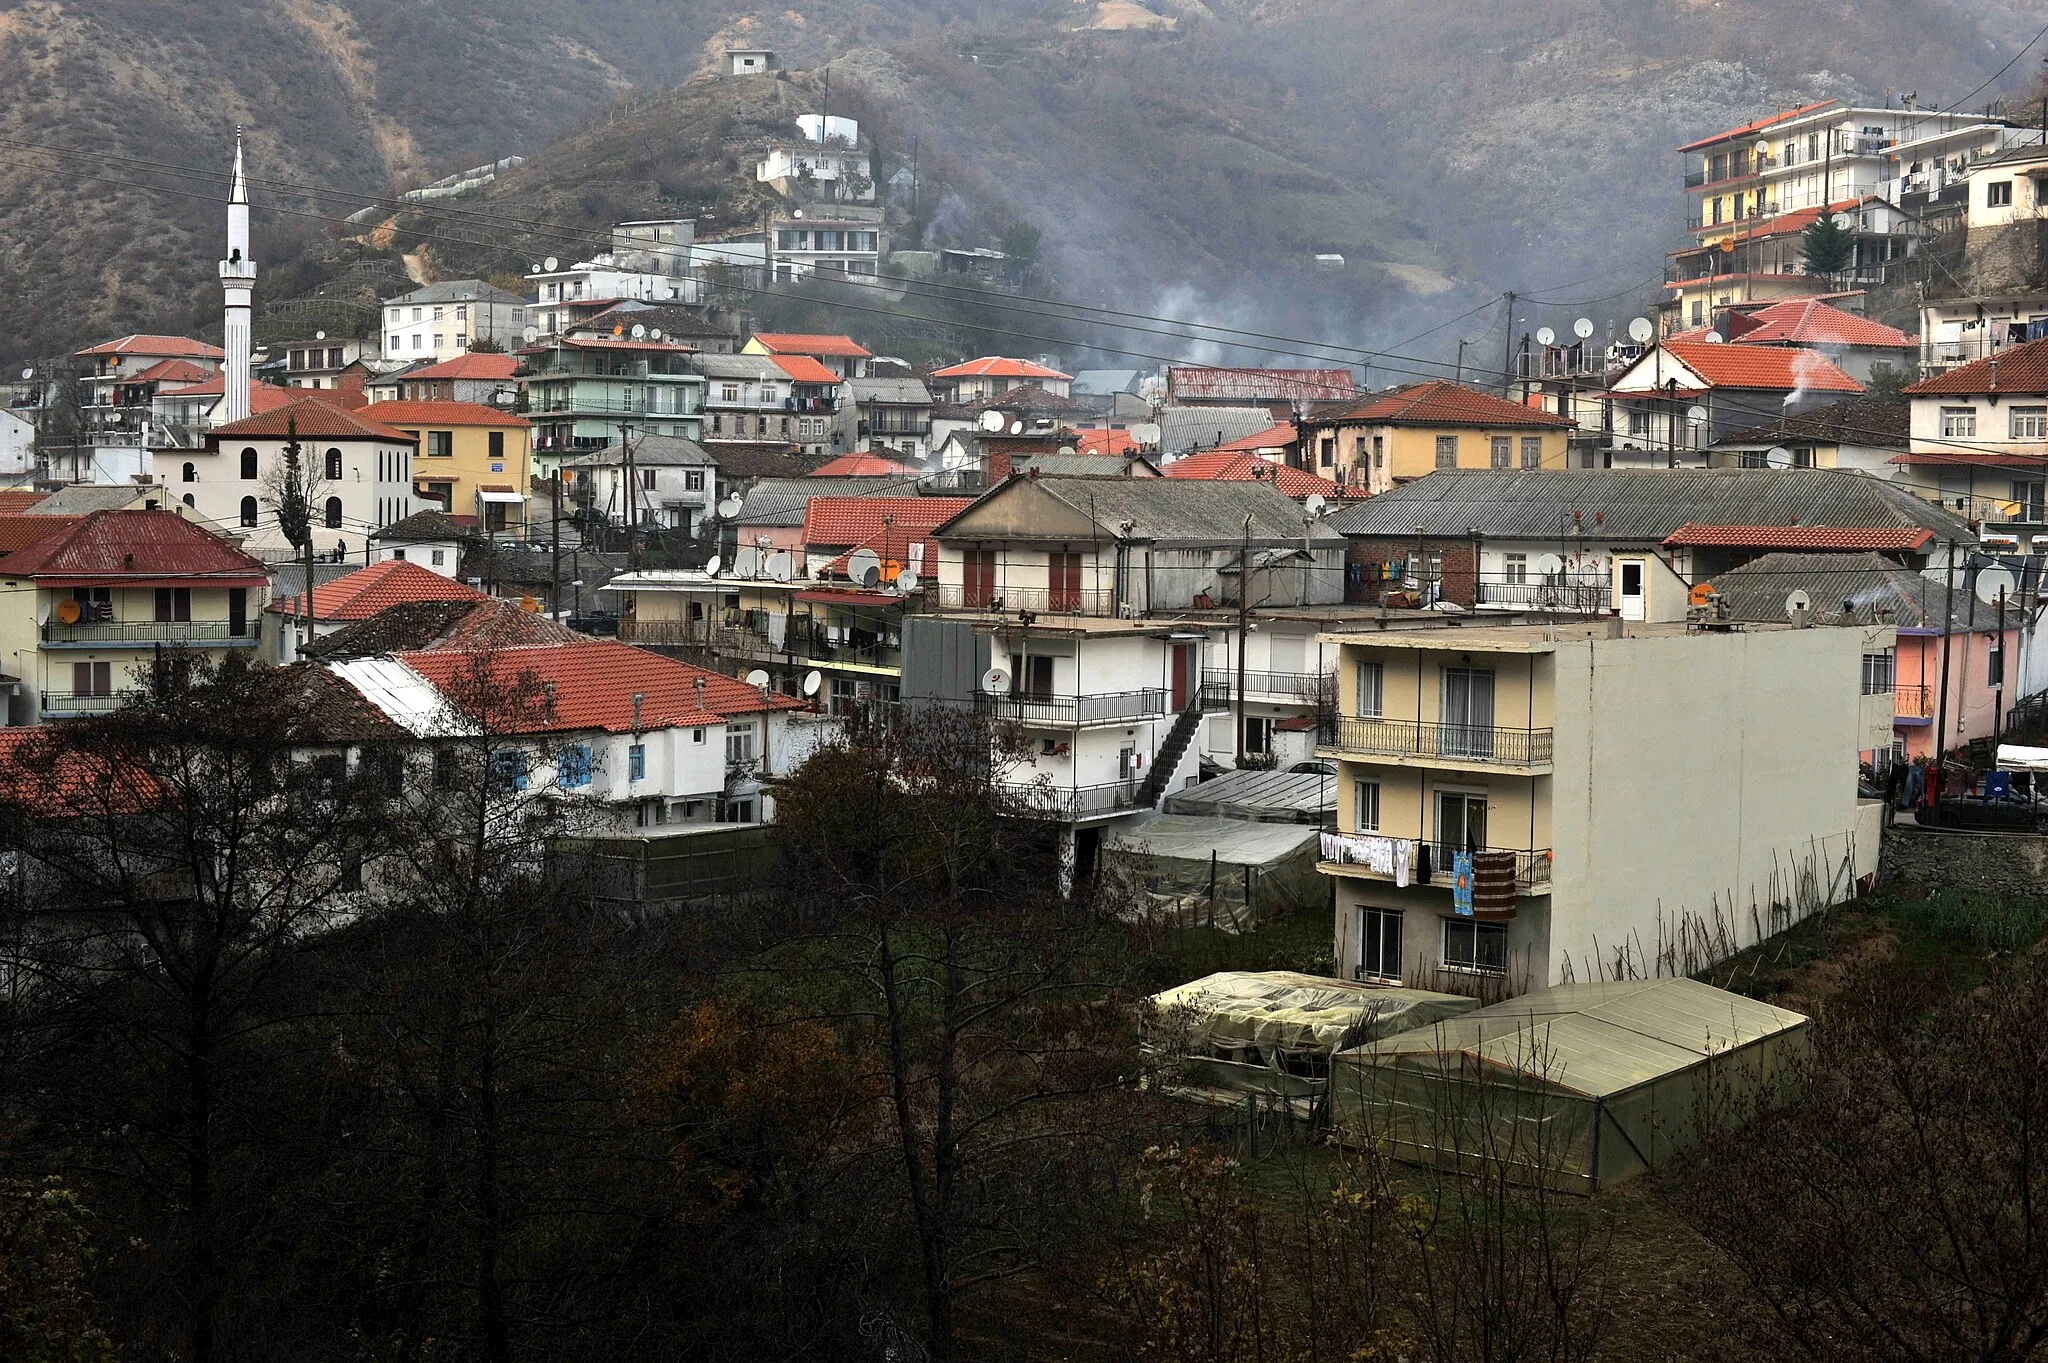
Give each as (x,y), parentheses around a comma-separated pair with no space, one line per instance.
(838,238)
(672,483)
(825,163)
(440,321)
(359,475)
(885,415)
(746,397)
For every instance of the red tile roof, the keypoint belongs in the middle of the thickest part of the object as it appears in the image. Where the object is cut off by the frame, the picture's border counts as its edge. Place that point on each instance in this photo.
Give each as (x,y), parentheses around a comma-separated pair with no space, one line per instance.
(2019,369)
(14,501)
(481,366)
(1772,367)
(594,683)
(860,466)
(1799,537)
(795,343)
(172,371)
(18,532)
(609,343)
(841,522)
(1272,438)
(1798,220)
(316,420)
(1808,321)
(998,367)
(436,413)
(804,369)
(1440,402)
(1213,384)
(1243,466)
(362,593)
(143,343)
(1098,440)
(41,769)
(1761,123)
(134,548)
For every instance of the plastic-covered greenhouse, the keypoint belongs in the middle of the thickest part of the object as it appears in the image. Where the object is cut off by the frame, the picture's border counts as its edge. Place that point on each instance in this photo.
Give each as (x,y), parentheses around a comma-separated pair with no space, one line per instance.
(1273,1033)
(1580,1086)
(1223,873)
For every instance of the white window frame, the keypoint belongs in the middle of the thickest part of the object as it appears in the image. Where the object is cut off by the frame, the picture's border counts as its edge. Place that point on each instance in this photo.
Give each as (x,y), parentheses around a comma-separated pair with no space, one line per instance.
(1372,942)
(2027,423)
(1959,423)
(1474,964)
(1366,806)
(1370,700)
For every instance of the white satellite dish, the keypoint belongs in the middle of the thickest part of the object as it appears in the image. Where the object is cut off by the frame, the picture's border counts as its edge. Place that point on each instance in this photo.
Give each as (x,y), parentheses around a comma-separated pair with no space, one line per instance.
(747,563)
(1315,504)
(1696,415)
(864,567)
(781,567)
(757,678)
(1583,328)
(550,264)
(906,582)
(1067,450)
(1548,564)
(531,334)
(711,568)
(730,507)
(1016,428)
(639,331)
(654,333)
(1640,330)
(1713,338)
(1545,336)
(812,681)
(995,681)
(319,335)
(1992,581)
(991,421)
(1797,603)
(1778,457)
(29,372)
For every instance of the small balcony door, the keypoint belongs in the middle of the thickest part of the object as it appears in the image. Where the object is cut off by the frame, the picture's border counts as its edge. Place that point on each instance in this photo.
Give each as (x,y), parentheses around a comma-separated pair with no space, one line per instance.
(1633,588)
(1465,726)
(1063,580)
(1186,674)
(979,577)
(1460,823)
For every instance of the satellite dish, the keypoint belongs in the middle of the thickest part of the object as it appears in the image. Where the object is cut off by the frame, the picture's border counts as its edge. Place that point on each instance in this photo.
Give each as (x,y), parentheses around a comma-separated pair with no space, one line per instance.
(864,567)
(29,372)
(730,507)
(757,678)
(1545,336)
(550,264)
(995,681)
(654,333)
(1548,564)
(1315,504)
(711,568)
(319,335)
(1696,415)
(1583,328)
(1797,603)
(1016,428)
(780,566)
(1713,338)
(812,681)
(906,581)
(67,611)
(991,421)
(1640,330)
(1778,457)
(1067,450)
(747,563)
(1992,581)
(531,334)
(639,331)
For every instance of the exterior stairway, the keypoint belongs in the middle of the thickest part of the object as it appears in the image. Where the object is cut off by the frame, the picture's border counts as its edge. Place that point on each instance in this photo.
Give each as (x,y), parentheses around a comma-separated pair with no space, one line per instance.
(1167,760)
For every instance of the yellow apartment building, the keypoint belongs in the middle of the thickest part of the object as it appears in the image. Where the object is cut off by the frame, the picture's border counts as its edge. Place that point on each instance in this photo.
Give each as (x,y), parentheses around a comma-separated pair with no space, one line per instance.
(1404,434)
(472,460)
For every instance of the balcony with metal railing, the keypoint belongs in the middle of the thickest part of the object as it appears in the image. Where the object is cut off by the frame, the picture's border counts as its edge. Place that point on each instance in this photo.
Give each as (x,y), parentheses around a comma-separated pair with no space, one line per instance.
(1408,742)
(1074,712)
(68,704)
(148,633)
(1911,702)
(1579,598)
(1073,804)
(671,633)
(1220,687)
(1532,865)
(1043,600)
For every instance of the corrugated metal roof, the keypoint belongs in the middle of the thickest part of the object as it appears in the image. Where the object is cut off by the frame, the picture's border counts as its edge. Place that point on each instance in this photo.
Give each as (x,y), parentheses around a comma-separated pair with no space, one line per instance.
(1261,385)
(1178,510)
(1854,589)
(1234,842)
(406,698)
(1263,796)
(781,501)
(1635,504)
(1199,428)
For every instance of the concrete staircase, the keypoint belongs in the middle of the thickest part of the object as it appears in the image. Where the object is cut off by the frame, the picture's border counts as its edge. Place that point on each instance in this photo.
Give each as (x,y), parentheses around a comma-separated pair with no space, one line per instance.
(1167,760)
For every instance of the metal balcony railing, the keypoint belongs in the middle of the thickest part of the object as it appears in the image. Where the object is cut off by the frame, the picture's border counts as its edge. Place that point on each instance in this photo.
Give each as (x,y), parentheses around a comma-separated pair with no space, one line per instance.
(1043,600)
(1582,597)
(142,633)
(1220,685)
(1076,802)
(671,632)
(1413,738)
(1913,702)
(1066,712)
(1532,865)
(78,703)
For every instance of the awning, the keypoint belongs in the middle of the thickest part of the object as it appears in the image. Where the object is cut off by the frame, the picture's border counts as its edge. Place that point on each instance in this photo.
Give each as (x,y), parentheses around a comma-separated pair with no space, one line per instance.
(499,497)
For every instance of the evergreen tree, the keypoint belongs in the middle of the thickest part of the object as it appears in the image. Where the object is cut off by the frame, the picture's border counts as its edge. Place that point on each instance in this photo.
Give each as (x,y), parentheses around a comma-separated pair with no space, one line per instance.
(1828,246)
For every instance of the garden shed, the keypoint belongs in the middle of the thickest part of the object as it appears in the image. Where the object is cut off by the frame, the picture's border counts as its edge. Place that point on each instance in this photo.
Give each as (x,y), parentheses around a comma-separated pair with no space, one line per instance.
(1580,1086)
(1222,873)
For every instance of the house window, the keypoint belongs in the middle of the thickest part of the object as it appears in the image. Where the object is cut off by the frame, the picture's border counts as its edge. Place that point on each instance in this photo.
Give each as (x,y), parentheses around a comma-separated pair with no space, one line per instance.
(728,392)
(462,314)
(1379,944)
(173,604)
(1802,456)
(636,762)
(1258,734)
(334,465)
(447,768)
(693,480)
(1367,809)
(1502,451)
(1328,446)
(1379,451)
(248,512)
(1471,945)
(2027,499)
(696,736)
(497,445)
(508,769)
(249,464)
(1958,421)
(1879,671)
(1998,194)
(437,340)
(395,339)
(1532,451)
(437,314)
(1514,569)
(190,474)
(572,767)
(1638,422)
(1372,690)
(2028,423)
(333,516)
(440,558)
(647,479)
(238,612)
(1447,451)
(92,679)
(440,444)
(739,743)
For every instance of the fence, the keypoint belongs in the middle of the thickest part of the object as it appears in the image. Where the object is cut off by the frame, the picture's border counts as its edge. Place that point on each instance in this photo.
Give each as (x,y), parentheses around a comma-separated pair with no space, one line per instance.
(1110,707)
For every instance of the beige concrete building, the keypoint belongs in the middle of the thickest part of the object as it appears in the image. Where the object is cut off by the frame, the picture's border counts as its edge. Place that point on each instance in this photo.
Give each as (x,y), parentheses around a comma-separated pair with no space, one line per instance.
(1663,798)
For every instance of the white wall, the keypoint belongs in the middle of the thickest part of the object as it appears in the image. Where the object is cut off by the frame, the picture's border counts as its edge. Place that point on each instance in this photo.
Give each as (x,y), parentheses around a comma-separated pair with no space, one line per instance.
(375,489)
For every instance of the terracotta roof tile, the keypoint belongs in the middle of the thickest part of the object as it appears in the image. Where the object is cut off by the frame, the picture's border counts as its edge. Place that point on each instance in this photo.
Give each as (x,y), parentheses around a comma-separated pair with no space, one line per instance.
(1440,402)
(143,343)
(594,682)
(804,369)
(1098,440)
(1214,384)
(998,367)
(860,466)
(172,371)
(423,626)
(796,343)
(1799,537)
(362,593)
(1759,124)
(474,366)
(1243,466)
(1809,321)
(841,522)
(440,413)
(14,501)
(316,420)
(18,532)
(2021,369)
(133,545)
(1761,366)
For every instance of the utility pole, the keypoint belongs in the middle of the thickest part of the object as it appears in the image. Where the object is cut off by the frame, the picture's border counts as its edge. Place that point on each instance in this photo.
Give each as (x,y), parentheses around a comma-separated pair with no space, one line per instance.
(1244,605)
(555,545)
(1507,346)
(1948,613)
(1462,343)
(631,500)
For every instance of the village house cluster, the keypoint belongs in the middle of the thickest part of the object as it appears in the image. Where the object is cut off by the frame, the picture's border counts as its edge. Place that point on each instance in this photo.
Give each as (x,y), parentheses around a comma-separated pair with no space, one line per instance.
(1606,666)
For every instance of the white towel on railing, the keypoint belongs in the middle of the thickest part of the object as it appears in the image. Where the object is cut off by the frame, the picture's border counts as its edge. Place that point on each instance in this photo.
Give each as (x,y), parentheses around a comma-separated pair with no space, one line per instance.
(1383,855)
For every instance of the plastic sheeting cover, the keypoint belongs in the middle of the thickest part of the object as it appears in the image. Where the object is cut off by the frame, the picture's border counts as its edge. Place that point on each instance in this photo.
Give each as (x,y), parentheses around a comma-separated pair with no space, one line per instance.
(1284,1011)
